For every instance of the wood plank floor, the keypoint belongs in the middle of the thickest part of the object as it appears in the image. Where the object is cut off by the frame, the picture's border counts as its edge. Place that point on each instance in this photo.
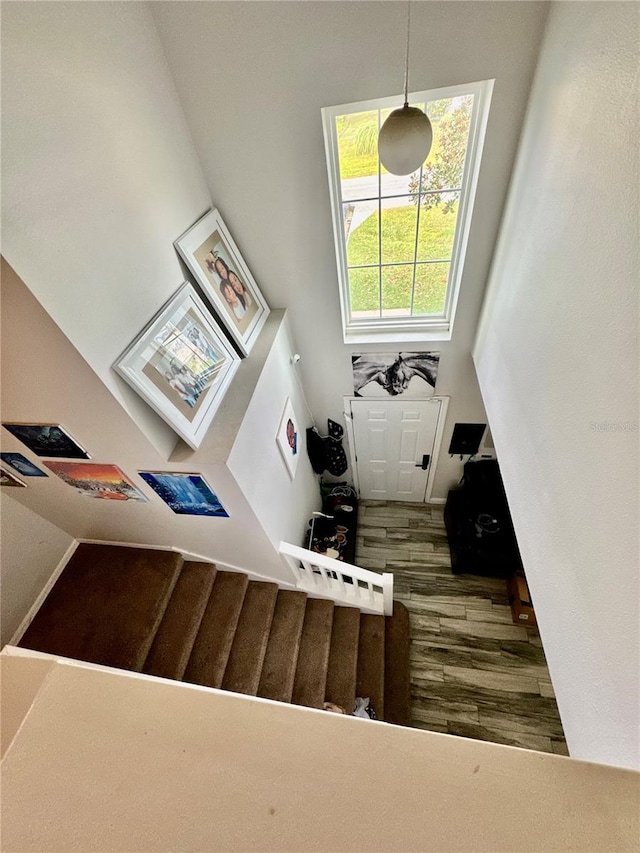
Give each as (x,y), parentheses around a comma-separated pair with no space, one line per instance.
(473,672)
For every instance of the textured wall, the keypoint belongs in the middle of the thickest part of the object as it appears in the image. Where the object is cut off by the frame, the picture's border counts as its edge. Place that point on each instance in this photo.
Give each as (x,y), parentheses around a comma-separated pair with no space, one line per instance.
(252,78)
(557,358)
(99,176)
(32,547)
(118,761)
(54,384)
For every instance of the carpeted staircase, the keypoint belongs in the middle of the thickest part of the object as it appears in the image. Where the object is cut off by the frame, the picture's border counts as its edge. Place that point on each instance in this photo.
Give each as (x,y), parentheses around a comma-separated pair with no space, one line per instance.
(149,611)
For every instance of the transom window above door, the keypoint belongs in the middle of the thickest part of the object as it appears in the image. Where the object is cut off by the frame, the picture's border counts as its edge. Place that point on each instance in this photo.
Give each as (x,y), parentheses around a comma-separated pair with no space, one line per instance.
(401,240)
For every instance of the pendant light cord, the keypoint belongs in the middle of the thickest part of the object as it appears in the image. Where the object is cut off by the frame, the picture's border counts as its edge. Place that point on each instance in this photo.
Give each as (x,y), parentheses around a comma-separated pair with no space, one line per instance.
(406,65)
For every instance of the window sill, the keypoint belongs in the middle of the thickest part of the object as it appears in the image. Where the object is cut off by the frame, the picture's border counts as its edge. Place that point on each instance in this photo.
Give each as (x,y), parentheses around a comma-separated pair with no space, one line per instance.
(398,333)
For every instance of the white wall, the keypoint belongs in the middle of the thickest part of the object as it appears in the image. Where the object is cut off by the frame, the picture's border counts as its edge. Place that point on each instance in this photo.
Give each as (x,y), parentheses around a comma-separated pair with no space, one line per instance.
(282,506)
(32,547)
(117,761)
(252,78)
(99,176)
(54,384)
(557,357)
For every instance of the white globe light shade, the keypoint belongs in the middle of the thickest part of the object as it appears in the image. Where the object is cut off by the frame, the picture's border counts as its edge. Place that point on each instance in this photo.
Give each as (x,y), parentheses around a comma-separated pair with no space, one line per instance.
(405,140)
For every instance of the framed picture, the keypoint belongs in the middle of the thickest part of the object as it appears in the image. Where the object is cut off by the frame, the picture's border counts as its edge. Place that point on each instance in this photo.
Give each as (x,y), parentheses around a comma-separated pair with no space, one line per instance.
(212,256)
(22,465)
(47,440)
(181,365)
(288,438)
(389,374)
(94,480)
(185,494)
(7,479)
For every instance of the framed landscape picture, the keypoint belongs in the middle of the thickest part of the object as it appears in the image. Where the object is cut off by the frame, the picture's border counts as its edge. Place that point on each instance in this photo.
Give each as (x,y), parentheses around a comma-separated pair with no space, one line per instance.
(185,494)
(22,465)
(213,257)
(288,438)
(47,440)
(8,479)
(181,365)
(95,480)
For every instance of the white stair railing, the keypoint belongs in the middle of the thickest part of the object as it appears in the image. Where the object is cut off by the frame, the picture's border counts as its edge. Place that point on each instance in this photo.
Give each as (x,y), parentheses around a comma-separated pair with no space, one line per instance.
(342,582)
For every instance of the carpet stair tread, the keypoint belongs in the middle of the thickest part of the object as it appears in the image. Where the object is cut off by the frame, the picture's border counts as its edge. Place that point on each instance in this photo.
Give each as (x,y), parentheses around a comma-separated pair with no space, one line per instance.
(370,676)
(173,642)
(213,643)
(343,658)
(242,674)
(281,656)
(397,684)
(313,657)
(106,605)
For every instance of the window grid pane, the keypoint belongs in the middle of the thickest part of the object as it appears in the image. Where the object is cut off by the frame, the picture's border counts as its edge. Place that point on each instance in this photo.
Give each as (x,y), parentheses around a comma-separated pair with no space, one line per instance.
(431,288)
(397,283)
(399,241)
(415,250)
(380,228)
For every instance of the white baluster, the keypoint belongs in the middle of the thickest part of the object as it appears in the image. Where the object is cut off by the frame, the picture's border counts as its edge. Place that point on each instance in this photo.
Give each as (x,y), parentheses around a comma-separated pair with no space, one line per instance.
(310,573)
(387,593)
(325,577)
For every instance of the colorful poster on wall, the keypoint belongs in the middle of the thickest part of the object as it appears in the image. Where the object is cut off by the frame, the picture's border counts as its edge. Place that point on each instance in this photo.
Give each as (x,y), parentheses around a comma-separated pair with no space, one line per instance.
(22,465)
(94,480)
(185,494)
(389,374)
(8,479)
(47,440)
(288,438)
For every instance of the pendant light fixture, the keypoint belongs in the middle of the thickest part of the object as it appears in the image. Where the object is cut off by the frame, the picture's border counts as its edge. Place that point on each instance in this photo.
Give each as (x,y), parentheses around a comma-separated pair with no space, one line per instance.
(405,138)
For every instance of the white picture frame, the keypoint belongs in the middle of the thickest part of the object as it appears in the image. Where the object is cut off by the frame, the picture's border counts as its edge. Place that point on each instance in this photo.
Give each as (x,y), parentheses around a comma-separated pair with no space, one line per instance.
(181,364)
(210,252)
(288,438)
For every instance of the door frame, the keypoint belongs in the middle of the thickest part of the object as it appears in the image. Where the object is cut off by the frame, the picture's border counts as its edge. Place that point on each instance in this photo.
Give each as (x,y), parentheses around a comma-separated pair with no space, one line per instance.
(437,440)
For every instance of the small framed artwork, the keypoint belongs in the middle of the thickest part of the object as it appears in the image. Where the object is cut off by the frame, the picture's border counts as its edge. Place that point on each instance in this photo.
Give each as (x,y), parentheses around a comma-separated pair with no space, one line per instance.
(185,494)
(94,480)
(22,465)
(288,438)
(47,440)
(389,374)
(8,479)
(213,257)
(181,365)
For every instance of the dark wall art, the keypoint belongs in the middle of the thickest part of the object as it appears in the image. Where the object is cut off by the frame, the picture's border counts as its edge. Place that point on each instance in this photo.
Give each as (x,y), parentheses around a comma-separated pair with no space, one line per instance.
(385,374)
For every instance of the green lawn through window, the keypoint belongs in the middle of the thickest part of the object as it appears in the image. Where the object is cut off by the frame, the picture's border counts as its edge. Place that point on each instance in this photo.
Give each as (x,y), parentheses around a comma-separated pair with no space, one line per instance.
(435,240)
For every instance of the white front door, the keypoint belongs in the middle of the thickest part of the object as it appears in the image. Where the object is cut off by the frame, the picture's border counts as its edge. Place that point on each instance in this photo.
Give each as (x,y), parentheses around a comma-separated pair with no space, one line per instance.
(394,442)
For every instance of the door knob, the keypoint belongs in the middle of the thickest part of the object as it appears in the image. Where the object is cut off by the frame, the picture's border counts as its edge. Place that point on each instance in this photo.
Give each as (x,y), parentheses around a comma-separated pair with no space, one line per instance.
(425,462)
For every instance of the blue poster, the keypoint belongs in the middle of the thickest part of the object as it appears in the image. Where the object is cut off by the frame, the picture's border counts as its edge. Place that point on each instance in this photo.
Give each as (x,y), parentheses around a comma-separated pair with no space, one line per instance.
(185,494)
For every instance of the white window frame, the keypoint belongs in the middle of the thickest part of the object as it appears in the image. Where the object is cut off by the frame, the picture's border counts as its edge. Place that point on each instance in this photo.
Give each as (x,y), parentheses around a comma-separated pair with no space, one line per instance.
(420,328)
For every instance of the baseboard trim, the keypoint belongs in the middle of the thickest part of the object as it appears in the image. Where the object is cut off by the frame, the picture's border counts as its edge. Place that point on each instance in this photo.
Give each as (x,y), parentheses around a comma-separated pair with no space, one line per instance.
(437,501)
(191,556)
(46,589)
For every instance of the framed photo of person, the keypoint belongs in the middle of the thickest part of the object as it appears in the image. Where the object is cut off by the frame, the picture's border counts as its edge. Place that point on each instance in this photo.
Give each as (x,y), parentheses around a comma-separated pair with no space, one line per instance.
(288,438)
(181,365)
(213,257)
